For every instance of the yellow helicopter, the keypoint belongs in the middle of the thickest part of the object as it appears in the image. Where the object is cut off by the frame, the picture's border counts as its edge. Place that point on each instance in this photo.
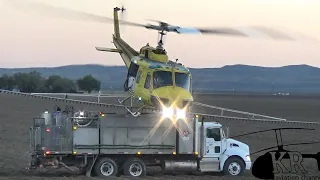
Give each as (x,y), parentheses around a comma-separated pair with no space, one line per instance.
(157,81)
(152,78)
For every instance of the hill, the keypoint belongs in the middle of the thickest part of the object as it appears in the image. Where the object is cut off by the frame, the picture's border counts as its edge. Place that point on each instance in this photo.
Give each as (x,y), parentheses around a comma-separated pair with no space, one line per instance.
(293,78)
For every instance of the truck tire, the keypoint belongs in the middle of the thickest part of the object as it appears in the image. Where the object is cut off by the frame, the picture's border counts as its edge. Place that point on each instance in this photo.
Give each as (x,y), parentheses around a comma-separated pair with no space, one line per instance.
(135,167)
(234,166)
(106,167)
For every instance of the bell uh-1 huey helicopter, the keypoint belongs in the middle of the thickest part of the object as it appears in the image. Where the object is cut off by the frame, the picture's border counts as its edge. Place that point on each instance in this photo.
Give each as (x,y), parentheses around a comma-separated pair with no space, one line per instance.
(153,78)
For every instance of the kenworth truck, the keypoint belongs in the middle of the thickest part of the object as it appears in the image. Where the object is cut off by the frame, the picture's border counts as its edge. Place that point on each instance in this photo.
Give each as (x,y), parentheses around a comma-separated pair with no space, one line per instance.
(112,144)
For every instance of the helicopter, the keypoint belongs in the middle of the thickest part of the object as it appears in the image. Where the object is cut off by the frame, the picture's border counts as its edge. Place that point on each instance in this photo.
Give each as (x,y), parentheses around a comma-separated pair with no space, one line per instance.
(153,79)
(263,166)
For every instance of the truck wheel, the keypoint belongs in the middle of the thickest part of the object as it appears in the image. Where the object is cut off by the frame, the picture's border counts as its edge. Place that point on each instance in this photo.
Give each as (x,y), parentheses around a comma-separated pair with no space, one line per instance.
(233,166)
(135,167)
(106,167)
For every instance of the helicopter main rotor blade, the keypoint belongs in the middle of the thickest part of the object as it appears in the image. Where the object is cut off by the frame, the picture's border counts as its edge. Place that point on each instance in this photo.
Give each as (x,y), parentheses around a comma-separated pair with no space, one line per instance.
(249,32)
(59,12)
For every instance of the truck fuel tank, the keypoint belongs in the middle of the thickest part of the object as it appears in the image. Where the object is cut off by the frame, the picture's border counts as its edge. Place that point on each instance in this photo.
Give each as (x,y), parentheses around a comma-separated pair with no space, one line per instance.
(179,166)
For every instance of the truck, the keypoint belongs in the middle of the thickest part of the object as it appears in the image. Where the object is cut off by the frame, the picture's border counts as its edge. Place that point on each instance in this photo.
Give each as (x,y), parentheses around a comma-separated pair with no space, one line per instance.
(114,144)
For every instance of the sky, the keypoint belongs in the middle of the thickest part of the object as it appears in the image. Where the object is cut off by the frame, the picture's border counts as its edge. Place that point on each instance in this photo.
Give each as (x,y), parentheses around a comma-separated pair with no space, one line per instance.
(36,38)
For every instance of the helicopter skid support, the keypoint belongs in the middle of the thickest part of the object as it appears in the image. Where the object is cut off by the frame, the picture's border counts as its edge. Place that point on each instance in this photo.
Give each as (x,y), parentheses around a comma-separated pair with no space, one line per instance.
(136,113)
(125,99)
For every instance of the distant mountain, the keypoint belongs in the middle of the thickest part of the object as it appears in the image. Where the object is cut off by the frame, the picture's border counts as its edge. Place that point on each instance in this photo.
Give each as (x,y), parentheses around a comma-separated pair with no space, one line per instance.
(294,78)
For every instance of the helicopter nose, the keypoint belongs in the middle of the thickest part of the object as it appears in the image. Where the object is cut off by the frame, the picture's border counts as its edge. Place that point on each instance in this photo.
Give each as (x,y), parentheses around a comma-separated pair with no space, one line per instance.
(175,96)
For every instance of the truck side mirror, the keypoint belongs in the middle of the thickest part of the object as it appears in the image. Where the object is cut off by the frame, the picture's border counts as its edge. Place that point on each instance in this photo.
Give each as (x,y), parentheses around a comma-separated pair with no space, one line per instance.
(227,133)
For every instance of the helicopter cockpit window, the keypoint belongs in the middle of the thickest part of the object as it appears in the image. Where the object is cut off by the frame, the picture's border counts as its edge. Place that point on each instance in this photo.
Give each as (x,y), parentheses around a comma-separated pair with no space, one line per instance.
(162,78)
(214,133)
(131,76)
(147,84)
(183,80)
(133,69)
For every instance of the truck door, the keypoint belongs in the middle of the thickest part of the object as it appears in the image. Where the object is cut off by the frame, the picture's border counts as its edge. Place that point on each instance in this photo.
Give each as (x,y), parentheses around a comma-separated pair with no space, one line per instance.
(212,142)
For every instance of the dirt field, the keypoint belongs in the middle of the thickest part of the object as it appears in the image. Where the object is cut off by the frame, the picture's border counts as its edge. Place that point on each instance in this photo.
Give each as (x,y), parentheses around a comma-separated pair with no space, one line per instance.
(17,113)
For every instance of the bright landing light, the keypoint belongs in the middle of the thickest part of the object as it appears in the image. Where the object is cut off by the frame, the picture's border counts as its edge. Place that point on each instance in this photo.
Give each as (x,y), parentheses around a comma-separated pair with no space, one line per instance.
(167,112)
(181,114)
(170,113)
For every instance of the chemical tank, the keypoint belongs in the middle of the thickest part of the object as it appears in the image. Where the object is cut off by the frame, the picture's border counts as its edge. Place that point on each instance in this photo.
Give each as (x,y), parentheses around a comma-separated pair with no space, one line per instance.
(60,119)
(48,120)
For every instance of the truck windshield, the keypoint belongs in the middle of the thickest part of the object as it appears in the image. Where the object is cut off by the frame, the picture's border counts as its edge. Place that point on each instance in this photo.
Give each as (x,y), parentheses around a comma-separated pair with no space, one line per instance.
(182,80)
(162,78)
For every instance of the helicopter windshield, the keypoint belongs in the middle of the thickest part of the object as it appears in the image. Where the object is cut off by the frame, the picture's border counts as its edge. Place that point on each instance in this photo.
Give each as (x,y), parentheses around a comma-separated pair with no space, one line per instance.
(182,80)
(162,78)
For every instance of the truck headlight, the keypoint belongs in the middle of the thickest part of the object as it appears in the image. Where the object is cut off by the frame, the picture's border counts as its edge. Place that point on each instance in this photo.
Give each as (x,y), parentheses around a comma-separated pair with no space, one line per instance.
(181,114)
(248,158)
(167,112)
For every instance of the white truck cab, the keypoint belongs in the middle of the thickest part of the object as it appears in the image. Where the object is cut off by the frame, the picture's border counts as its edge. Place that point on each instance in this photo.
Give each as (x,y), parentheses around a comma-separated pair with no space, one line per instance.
(220,153)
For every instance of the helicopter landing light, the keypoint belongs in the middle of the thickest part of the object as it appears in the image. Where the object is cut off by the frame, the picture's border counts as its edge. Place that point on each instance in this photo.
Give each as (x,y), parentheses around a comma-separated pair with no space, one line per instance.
(181,114)
(172,113)
(167,112)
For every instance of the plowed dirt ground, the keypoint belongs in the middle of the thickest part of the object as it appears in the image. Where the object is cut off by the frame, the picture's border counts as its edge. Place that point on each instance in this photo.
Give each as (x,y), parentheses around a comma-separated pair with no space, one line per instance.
(17,113)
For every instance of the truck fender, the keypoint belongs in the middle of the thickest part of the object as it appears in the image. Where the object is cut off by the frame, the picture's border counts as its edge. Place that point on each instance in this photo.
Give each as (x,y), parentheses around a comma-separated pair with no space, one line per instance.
(231,153)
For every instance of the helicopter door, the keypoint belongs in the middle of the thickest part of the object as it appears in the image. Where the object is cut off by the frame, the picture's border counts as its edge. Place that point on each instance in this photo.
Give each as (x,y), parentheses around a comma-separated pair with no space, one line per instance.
(212,142)
(131,77)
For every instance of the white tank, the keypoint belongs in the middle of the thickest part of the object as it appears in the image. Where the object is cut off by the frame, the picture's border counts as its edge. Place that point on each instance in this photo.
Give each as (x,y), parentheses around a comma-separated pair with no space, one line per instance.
(47,118)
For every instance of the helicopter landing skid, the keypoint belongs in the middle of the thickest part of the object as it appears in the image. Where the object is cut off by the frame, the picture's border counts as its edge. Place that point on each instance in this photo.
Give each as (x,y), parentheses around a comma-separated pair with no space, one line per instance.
(134,114)
(125,99)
